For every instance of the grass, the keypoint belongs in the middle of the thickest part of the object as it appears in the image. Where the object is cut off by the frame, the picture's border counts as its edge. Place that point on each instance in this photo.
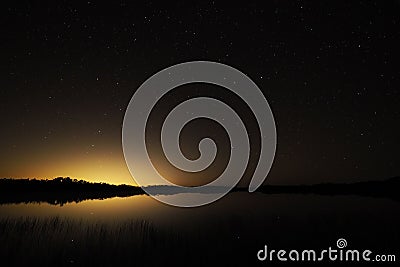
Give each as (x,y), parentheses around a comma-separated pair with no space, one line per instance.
(59,241)
(225,238)
(62,241)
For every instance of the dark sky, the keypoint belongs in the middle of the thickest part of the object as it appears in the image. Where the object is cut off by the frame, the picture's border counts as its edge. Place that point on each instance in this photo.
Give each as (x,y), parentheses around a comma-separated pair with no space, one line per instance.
(330,71)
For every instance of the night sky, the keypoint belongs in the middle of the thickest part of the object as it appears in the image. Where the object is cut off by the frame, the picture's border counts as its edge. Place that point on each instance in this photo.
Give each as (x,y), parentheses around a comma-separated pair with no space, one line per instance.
(329,70)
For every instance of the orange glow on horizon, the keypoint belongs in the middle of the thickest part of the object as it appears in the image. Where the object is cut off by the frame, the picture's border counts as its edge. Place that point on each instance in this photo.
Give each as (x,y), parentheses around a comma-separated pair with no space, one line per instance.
(98,166)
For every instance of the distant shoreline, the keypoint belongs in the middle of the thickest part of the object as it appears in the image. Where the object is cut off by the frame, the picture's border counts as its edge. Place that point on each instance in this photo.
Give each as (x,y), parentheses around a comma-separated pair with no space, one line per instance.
(60,190)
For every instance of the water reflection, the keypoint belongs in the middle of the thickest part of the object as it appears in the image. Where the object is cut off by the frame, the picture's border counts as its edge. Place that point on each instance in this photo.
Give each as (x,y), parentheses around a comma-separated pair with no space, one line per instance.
(137,229)
(256,207)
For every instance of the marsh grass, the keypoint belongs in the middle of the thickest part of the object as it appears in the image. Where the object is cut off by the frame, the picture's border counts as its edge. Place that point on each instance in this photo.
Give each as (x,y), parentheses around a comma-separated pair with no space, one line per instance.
(65,241)
(226,241)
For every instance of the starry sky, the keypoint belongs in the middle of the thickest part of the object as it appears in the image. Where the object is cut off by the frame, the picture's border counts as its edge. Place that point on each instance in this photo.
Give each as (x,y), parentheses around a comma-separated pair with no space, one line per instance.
(330,72)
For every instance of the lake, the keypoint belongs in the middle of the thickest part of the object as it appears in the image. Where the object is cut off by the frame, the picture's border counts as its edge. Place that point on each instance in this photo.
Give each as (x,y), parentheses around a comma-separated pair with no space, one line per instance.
(139,229)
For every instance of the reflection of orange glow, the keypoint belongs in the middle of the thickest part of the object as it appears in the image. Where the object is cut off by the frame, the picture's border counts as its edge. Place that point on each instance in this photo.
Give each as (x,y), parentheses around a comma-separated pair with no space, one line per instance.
(107,209)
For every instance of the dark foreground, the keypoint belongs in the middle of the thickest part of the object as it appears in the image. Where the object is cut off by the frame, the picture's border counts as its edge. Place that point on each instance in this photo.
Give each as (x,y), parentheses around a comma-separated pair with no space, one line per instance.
(226,240)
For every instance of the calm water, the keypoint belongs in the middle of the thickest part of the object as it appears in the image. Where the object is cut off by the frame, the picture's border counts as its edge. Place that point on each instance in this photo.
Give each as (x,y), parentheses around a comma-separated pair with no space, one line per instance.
(241,223)
(250,208)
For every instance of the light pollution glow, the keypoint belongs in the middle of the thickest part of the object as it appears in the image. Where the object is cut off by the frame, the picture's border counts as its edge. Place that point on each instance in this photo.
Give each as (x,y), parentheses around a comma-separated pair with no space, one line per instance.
(100,165)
